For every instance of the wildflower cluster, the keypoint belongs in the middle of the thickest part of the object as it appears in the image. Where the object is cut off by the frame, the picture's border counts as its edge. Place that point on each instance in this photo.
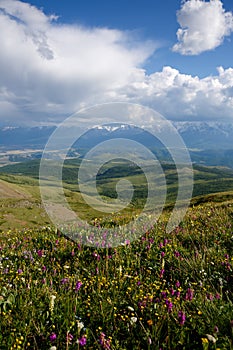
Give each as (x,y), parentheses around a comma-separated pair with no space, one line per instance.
(159,292)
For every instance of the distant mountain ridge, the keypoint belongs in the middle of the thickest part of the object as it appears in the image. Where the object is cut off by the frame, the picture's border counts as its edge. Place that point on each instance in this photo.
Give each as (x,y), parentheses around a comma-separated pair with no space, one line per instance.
(196,135)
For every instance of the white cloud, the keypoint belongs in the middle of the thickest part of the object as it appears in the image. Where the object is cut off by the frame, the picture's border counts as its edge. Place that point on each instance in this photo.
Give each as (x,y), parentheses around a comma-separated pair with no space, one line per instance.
(49,71)
(180,96)
(204,25)
(49,68)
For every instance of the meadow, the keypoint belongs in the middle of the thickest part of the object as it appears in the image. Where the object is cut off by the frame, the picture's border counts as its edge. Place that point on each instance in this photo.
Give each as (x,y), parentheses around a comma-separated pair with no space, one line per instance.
(158,291)
(161,291)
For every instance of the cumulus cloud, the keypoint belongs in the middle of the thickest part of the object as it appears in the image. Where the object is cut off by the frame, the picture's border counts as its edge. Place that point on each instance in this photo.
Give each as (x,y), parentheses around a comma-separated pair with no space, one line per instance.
(204,25)
(182,97)
(50,68)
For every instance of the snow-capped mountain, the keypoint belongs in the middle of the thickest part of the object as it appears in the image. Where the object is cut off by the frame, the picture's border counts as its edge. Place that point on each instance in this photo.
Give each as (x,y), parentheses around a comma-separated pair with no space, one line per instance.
(206,135)
(196,135)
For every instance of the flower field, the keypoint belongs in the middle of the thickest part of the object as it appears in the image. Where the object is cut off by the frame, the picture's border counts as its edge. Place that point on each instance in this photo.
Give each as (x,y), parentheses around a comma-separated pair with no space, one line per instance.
(162,291)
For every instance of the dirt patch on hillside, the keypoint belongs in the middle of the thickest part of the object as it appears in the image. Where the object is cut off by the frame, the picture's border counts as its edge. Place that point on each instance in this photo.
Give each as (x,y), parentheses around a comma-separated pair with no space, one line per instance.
(11,191)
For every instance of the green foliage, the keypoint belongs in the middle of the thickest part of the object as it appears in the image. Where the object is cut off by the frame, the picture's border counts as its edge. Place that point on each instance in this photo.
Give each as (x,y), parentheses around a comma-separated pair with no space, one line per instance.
(161,291)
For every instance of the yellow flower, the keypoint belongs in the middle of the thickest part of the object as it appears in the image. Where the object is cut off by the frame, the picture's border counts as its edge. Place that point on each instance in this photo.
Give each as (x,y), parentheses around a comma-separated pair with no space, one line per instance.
(204,340)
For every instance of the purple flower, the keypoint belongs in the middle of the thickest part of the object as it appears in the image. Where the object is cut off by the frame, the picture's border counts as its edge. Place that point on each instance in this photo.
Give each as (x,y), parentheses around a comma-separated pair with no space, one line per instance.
(39,253)
(52,337)
(105,343)
(209,296)
(163,294)
(161,273)
(169,305)
(162,254)
(172,291)
(78,286)
(43,268)
(216,330)
(20,271)
(64,280)
(189,294)
(177,284)
(82,341)
(181,318)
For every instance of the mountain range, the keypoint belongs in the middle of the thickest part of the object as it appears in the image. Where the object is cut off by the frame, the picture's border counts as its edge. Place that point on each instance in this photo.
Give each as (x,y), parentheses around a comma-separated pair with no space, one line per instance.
(196,135)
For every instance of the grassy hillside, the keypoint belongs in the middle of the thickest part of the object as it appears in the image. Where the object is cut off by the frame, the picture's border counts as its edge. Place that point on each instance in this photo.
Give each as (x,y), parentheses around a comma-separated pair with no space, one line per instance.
(20,197)
(160,291)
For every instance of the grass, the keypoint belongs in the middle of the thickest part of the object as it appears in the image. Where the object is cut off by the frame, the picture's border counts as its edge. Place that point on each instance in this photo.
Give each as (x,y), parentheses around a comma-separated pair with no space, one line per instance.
(158,291)
(161,291)
(23,178)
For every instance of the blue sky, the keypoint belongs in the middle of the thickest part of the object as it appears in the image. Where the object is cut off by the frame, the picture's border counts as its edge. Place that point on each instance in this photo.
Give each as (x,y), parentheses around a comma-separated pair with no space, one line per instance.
(58,56)
(149,19)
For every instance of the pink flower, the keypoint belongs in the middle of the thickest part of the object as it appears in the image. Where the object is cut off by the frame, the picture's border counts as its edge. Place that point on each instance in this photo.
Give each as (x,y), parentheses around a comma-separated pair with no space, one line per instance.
(52,337)
(82,341)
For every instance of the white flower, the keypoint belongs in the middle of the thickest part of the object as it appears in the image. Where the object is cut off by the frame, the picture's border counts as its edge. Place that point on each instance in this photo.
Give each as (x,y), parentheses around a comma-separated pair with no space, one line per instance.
(53,348)
(133,320)
(131,308)
(80,325)
(211,338)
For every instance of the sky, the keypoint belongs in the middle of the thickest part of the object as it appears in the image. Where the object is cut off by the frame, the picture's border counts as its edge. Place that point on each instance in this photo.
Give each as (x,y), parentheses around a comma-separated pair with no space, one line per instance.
(59,56)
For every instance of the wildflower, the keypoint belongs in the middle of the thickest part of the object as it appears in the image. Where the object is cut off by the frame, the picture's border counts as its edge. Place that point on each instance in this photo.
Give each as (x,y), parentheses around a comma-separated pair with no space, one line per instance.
(82,341)
(80,325)
(161,273)
(53,348)
(39,253)
(51,306)
(78,286)
(181,317)
(209,296)
(69,338)
(44,268)
(163,294)
(211,338)
(177,284)
(169,305)
(216,330)
(149,322)
(64,280)
(20,271)
(130,308)
(189,294)
(162,254)
(204,340)
(172,291)
(52,337)
(133,320)
(105,343)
